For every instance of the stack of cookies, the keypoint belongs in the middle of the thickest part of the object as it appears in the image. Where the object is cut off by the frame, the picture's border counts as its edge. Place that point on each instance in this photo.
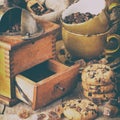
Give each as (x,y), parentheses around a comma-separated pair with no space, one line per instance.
(98,83)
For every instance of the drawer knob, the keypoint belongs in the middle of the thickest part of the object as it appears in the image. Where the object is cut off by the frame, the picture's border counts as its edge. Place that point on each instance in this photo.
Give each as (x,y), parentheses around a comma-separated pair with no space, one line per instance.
(57,86)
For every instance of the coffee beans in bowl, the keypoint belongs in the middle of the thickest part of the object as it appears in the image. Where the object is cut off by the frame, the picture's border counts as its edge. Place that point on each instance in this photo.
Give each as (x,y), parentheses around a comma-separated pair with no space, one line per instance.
(85,19)
(78,17)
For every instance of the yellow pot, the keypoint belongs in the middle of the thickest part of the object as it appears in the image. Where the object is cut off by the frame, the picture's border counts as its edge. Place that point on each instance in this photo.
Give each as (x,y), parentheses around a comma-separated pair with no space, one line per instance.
(84,46)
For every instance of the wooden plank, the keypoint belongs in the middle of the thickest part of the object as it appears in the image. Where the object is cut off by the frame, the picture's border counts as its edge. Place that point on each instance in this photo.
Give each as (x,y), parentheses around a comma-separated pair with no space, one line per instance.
(7,101)
(4,75)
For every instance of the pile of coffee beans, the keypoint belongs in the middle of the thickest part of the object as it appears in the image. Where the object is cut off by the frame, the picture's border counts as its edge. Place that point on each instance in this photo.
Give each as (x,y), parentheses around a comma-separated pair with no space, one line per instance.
(78,17)
(40,10)
(15,28)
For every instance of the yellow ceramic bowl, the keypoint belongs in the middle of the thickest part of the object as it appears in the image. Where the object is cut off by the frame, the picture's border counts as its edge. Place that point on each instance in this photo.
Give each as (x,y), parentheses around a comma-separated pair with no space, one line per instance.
(98,24)
(83,46)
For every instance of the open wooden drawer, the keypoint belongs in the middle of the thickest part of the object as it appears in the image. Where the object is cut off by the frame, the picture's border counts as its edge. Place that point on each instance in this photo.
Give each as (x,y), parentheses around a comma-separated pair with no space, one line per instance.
(45,83)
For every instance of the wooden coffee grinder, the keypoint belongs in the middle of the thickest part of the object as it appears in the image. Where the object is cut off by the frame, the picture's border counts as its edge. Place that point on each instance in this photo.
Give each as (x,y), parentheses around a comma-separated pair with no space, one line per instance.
(27,48)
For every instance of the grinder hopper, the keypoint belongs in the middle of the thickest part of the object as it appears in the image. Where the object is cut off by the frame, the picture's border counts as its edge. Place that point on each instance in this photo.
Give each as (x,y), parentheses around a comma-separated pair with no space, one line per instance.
(18,21)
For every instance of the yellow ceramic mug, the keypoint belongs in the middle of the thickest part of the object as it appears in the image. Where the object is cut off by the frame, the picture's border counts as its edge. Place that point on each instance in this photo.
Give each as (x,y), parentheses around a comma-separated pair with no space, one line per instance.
(88,47)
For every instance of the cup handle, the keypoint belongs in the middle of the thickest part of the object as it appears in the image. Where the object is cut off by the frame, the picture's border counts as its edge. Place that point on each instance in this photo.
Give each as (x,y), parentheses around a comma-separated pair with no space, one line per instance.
(112,5)
(108,10)
(113,44)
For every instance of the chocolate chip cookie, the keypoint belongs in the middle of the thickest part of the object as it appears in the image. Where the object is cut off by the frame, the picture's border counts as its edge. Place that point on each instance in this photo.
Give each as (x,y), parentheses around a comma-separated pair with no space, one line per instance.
(102,96)
(98,88)
(78,109)
(97,74)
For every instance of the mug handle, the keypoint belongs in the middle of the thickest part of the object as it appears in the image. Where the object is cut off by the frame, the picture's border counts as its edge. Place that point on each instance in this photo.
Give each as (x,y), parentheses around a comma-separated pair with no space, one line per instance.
(113,5)
(113,44)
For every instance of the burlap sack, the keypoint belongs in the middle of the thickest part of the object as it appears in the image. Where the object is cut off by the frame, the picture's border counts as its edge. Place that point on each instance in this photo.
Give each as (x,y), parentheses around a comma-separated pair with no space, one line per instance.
(57,6)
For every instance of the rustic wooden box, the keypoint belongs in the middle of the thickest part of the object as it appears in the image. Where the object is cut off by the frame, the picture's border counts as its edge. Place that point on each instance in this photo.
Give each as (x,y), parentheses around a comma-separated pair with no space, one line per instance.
(38,91)
(18,56)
